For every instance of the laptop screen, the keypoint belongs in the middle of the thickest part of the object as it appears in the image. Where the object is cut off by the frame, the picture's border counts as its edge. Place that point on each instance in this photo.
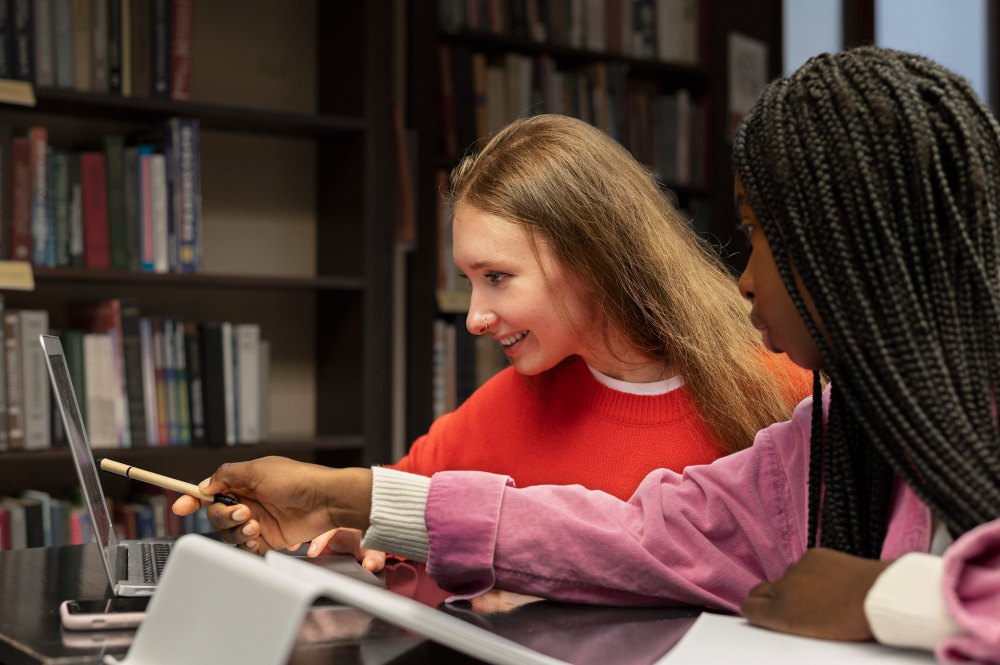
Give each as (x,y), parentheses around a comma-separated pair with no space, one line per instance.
(86,470)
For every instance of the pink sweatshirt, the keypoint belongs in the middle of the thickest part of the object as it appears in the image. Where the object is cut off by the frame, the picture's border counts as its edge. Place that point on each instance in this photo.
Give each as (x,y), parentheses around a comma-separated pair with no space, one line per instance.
(704,537)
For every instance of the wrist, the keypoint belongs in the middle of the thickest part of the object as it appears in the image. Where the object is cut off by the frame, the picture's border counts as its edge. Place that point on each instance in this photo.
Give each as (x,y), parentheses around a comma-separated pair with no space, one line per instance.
(350,502)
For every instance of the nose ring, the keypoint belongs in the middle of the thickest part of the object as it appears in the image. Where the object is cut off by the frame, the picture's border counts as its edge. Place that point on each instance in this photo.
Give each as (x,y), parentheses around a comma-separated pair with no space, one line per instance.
(486,325)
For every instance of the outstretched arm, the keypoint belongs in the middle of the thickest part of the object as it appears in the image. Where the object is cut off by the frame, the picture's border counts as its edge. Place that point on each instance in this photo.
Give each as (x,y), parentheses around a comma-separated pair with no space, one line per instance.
(283,502)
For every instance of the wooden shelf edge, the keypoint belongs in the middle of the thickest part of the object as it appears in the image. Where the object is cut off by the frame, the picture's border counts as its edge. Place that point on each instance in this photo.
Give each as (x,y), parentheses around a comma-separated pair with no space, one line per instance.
(325,283)
(241,451)
(235,118)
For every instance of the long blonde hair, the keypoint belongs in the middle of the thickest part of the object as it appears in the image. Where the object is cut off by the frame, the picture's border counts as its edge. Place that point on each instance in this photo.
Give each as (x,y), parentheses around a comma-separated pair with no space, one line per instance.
(656,286)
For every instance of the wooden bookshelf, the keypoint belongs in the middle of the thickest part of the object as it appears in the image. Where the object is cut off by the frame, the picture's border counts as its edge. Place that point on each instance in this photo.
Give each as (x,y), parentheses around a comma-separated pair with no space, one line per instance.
(707,80)
(297,227)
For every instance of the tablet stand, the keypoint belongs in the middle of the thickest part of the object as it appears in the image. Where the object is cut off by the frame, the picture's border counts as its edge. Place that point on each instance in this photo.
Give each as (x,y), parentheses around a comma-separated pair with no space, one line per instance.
(217,604)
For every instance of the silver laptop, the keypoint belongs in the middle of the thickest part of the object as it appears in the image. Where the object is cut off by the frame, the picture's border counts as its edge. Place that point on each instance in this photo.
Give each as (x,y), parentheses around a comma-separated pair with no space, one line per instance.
(133,566)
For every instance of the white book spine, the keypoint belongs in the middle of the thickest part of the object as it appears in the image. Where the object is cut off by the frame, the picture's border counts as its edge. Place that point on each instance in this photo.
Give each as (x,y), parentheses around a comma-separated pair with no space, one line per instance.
(34,378)
(161,232)
(248,360)
(228,378)
(99,377)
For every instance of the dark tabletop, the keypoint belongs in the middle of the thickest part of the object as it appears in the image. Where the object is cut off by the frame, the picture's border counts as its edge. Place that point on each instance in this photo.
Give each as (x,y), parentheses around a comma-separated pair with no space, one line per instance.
(33,582)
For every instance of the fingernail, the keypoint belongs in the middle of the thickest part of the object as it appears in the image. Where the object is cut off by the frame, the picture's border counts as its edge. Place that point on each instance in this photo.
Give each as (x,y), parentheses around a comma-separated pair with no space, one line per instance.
(241,515)
(313,550)
(251,544)
(203,484)
(248,530)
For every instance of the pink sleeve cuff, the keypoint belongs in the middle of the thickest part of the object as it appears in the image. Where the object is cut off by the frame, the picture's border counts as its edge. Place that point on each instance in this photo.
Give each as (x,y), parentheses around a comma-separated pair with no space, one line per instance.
(463,510)
(972,595)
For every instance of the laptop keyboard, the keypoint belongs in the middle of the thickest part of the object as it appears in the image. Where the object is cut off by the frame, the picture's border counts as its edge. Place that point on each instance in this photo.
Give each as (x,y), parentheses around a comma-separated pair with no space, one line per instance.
(154,557)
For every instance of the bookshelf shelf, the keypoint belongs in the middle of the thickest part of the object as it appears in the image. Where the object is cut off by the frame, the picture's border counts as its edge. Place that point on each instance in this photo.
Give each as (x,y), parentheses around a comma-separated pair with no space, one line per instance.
(694,77)
(121,277)
(229,118)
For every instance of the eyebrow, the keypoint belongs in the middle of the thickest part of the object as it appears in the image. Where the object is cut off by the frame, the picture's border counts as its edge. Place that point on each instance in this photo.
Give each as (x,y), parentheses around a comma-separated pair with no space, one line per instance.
(483,263)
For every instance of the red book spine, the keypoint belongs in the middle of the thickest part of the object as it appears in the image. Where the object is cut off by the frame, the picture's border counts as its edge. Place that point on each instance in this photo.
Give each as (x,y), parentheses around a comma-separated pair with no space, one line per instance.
(20,231)
(181,49)
(94,190)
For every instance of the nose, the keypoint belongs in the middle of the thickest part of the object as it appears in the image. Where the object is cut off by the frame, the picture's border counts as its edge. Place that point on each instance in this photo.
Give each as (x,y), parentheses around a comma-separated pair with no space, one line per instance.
(478,321)
(746,283)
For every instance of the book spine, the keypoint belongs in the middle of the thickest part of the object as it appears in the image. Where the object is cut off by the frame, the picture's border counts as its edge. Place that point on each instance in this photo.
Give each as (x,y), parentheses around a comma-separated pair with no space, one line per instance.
(6,183)
(181,49)
(248,360)
(134,385)
(83,45)
(62,42)
(141,17)
(34,377)
(24,40)
(213,382)
(100,406)
(114,32)
(181,386)
(130,186)
(59,204)
(73,347)
(6,39)
(229,382)
(188,195)
(12,356)
(170,373)
(114,155)
(125,32)
(99,38)
(42,19)
(161,213)
(93,184)
(150,411)
(20,236)
(76,243)
(43,254)
(147,244)
(162,405)
(4,444)
(192,360)
(160,46)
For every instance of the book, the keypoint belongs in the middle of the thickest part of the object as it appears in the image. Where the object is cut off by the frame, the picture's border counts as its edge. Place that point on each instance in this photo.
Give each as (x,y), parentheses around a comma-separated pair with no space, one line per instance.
(83,44)
(181,385)
(100,25)
(62,43)
(43,244)
(20,194)
(181,49)
(192,366)
(94,194)
(160,47)
(24,40)
(125,46)
(162,383)
(60,199)
(185,140)
(17,529)
(134,381)
(114,46)
(44,66)
(141,16)
(44,500)
(76,241)
(213,383)
(34,380)
(6,183)
(72,341)
(6,39)
(3,381)
(102,428)
(130,185)
(114,157)
(14,388)
(246,338)
(108,317)
(144,199)
(150,408)
(159,207)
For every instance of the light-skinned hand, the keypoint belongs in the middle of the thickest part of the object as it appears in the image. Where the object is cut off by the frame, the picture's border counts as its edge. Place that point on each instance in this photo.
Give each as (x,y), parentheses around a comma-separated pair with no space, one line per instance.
(347,540)
(283,502)
(822,595)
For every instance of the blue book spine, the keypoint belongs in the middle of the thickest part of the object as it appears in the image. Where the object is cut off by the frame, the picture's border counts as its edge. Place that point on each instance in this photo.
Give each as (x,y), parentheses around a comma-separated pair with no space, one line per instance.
(187,192)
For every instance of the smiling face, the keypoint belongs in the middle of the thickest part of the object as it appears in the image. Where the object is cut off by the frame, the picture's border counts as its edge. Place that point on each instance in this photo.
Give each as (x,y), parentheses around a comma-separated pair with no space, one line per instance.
(536,316)
(773,313)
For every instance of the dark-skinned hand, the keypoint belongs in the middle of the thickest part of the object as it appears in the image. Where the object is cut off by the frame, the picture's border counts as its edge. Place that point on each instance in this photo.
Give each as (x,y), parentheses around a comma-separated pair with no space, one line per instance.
(283,502)
(822,595)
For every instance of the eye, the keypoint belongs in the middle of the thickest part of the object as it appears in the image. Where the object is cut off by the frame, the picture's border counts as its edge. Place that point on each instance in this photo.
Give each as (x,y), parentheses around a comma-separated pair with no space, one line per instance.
(495,278)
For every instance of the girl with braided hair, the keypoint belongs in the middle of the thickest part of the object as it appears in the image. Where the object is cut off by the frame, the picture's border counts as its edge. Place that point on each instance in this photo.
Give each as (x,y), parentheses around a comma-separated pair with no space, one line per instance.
(867,183)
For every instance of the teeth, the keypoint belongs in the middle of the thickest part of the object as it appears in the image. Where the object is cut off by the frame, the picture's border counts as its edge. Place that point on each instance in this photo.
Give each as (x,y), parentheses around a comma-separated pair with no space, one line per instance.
(507,341)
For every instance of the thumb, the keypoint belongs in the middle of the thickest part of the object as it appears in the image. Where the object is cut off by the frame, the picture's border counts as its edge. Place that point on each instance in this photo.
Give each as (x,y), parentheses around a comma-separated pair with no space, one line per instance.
(231,475)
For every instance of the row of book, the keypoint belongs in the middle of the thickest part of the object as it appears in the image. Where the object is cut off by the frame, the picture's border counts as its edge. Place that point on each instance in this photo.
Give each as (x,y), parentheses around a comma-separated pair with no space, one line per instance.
(140,381)
(667,30)
(667,131)
(462,363)
(134,48)
(125,205)
(39,519)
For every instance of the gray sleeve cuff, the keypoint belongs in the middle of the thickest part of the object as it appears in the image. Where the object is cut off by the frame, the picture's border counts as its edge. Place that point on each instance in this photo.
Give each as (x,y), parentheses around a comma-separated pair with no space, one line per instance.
(399,501)
(905,607)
